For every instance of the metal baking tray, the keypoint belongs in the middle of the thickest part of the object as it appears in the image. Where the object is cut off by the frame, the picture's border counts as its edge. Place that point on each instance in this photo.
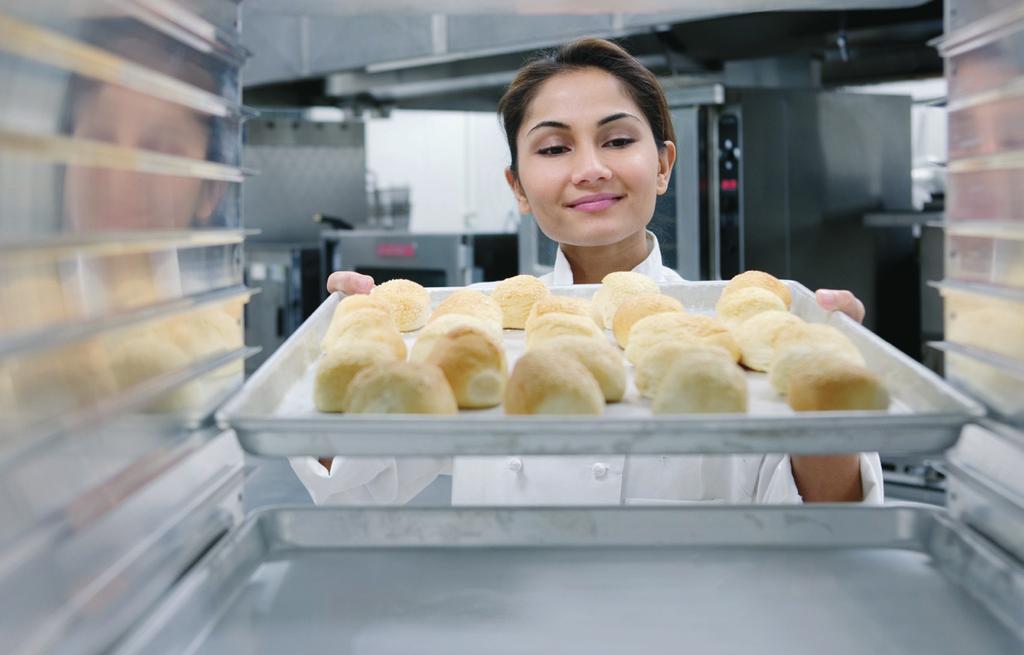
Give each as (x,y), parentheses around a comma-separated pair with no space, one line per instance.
(609,580)
(274,415)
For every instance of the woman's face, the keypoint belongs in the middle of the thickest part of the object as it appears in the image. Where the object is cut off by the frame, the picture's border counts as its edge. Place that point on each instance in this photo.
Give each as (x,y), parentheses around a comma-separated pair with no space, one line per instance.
(589,169)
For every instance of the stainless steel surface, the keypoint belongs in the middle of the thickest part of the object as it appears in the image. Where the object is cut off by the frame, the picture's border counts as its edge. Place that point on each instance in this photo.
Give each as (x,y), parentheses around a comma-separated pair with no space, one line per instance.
(928,418)
(989,128)
(986,258)
(306,167)
(986,490)
(986,189)
(603,580)
(986,55)
(961,14)
(994,380)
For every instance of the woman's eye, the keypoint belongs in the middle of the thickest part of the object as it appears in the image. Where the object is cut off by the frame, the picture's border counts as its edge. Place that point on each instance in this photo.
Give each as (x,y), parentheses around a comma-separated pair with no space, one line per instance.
(620,142)
(553,150)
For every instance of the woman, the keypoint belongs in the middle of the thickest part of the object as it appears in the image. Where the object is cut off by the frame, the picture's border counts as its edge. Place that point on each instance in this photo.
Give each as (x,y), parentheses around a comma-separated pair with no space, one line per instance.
(592,147)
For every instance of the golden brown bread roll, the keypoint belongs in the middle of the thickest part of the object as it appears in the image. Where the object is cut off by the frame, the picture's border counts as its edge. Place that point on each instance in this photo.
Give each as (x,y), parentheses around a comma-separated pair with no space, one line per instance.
(147,354)
(656,362)
(545,382)
(408,302)
(761,280)
(549,326)
(400,388)
(821,381)
(560,305)
(759,334)
(617,288)
(470,303)
(792,356)
(366,325)
(516,296)
(358,301)
(339,365)
(813,336)
(738,306)
(638,307)
(474,366)
(701,381)
(600,357)
(671,326)
(437,329)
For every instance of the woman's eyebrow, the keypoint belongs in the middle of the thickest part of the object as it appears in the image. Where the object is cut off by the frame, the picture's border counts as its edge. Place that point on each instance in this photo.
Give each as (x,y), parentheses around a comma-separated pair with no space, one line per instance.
(555,124)
(615,117)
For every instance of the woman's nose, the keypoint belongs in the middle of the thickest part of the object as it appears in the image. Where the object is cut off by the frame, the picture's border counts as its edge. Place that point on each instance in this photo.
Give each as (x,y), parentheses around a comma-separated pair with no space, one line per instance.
(588,167)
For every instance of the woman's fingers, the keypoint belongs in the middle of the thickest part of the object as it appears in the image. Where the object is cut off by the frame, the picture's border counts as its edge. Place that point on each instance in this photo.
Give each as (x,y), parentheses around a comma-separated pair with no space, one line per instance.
(840,300)
(349,283)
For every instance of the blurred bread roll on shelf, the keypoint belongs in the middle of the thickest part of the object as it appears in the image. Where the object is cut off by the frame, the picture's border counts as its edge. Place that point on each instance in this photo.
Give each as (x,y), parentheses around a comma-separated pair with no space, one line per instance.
(639,307)
(516,296)
(436,329)
(400,388)
(561,305)
(339,365)
(551,326)
(601,358)
(758,337)
(474,366)
(545,382)
(470,303)
(408,302)
(761,280)
(735,308)
(821,381)
(617,288)
(701,381)
(671,326)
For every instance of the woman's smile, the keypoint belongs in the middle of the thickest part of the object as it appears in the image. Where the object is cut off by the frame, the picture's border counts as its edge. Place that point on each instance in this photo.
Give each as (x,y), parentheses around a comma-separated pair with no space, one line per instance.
(595,203)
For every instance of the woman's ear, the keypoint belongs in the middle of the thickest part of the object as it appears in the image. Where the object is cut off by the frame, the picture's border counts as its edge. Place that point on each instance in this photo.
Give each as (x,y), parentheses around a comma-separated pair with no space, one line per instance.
(517,189)
(666,160)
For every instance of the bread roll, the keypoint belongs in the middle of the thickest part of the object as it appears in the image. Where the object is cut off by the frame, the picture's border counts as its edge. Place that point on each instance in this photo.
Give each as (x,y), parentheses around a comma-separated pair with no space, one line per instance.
(701,381)
(671,326)
(470,303)
(474,366)
(358,301)
(600,357)
(437,328)
(758,335)
(545,382)
(740,305)
(146,355)
(366,325)
(550,326)
(560,305)
(408,302)
(400,388)
(617,288)
(761,280)
(822,381)
(206,332)
(636,308)
(816,336)
(516,296)
(339,365)
(656,362)
(792,356)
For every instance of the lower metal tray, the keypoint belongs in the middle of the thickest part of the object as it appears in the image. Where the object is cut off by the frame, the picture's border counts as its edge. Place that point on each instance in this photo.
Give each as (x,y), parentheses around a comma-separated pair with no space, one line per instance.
(274,415)
(849,580)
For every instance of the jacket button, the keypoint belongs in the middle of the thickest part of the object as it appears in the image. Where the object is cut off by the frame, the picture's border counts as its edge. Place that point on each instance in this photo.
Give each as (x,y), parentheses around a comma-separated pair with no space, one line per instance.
(515,464)
(600,470)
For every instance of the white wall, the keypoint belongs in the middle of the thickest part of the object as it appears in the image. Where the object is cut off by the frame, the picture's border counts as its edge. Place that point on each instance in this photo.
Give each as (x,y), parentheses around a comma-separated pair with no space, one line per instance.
(454,163)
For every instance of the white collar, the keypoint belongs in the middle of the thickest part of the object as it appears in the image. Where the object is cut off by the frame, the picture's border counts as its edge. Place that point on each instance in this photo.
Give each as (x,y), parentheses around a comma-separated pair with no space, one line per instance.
(561,275)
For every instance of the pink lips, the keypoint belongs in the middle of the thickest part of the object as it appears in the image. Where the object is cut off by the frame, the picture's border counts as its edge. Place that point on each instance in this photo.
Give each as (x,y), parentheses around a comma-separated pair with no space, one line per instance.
(595,203)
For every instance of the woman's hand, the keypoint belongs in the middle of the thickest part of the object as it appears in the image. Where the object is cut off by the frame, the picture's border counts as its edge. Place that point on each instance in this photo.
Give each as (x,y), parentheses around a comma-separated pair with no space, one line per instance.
(831,300)
(349,283)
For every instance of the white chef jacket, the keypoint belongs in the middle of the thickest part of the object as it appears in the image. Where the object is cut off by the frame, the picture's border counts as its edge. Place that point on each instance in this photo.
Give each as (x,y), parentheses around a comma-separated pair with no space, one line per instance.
(571,480)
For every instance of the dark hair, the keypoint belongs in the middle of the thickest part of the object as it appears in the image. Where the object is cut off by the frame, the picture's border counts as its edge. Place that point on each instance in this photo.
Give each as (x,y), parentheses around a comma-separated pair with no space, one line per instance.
(639,83)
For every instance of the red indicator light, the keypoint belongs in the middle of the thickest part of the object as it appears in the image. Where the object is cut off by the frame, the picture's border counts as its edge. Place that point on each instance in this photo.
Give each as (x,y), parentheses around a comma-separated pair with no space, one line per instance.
(396,250)
(729,185)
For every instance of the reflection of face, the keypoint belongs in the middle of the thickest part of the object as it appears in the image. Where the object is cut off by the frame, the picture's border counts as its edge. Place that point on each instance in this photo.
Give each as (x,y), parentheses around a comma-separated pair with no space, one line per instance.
(584,137)
(103,198)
